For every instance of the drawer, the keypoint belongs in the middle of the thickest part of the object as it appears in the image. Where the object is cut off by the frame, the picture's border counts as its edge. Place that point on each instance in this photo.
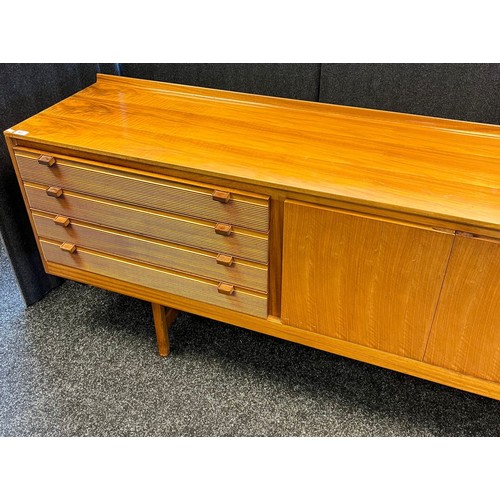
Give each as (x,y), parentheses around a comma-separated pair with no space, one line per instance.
(243,210)
(241,243)
(197,262)
(240,300)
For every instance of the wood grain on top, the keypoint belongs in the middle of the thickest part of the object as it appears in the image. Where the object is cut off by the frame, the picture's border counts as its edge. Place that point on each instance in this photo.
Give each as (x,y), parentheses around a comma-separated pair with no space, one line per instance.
(445,169)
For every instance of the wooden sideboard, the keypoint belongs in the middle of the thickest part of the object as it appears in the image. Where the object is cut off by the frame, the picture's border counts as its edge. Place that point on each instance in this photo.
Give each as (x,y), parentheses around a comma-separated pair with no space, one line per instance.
(369,234)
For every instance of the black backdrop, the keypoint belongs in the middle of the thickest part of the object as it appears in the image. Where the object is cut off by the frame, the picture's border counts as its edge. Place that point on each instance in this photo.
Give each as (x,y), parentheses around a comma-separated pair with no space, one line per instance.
(459,91)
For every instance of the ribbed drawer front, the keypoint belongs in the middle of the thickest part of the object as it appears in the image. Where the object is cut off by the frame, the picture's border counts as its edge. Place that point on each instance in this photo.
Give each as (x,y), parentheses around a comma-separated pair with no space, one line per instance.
(140,274)
(171,256)
(243,210)
(241,243)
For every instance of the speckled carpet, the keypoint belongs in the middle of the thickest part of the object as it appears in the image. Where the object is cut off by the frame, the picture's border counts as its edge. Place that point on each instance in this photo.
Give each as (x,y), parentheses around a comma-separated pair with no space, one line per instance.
(83,362)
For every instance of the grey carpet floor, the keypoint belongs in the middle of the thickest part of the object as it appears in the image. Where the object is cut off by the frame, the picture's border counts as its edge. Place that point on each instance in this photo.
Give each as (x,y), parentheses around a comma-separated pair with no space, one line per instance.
(83,362)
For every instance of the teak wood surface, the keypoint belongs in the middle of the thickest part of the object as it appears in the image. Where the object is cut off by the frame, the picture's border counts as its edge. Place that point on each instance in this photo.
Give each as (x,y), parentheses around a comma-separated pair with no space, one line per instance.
(185,231)
(466,333)
(247,301)
(441,168)
(163,318)
(362,279)
(196,201)
(159,253)
(365,233)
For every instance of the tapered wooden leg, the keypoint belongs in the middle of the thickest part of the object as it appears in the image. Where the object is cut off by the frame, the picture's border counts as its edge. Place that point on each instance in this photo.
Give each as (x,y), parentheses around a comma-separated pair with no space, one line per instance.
(163,318)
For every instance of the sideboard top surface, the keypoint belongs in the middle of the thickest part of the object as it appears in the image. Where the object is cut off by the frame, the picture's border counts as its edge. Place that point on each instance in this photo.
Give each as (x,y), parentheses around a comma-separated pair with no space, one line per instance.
(441,168)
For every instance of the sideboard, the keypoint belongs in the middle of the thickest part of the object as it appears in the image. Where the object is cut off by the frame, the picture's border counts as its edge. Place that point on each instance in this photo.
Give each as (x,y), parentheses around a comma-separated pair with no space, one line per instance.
(368,234)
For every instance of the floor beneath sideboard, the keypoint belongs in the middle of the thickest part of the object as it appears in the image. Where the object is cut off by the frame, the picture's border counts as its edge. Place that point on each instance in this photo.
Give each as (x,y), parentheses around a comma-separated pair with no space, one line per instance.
(83,362)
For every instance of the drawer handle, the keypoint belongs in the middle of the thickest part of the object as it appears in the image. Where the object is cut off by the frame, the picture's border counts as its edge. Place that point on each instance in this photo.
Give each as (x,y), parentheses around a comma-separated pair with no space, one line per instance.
(221,196)
(225,260)
(223,229)
(48,161)
(225,289)
(68,247)
(55,192)
(61,220)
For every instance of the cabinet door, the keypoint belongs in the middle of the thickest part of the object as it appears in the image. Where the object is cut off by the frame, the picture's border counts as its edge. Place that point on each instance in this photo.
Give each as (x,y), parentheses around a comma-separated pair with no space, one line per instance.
(465,336)
(363,279)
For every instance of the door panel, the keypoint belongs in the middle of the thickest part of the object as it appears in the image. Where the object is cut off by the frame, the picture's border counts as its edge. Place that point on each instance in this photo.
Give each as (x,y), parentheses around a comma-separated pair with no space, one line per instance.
(465,336)
(363,279)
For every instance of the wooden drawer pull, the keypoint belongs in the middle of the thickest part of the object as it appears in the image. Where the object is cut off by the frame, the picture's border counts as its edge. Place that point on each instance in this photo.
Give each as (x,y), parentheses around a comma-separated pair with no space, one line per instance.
(55,192)
(225,288)
(68,247)
(221,196)
(48,161)
(223,229)
(61,220)
(225,260)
